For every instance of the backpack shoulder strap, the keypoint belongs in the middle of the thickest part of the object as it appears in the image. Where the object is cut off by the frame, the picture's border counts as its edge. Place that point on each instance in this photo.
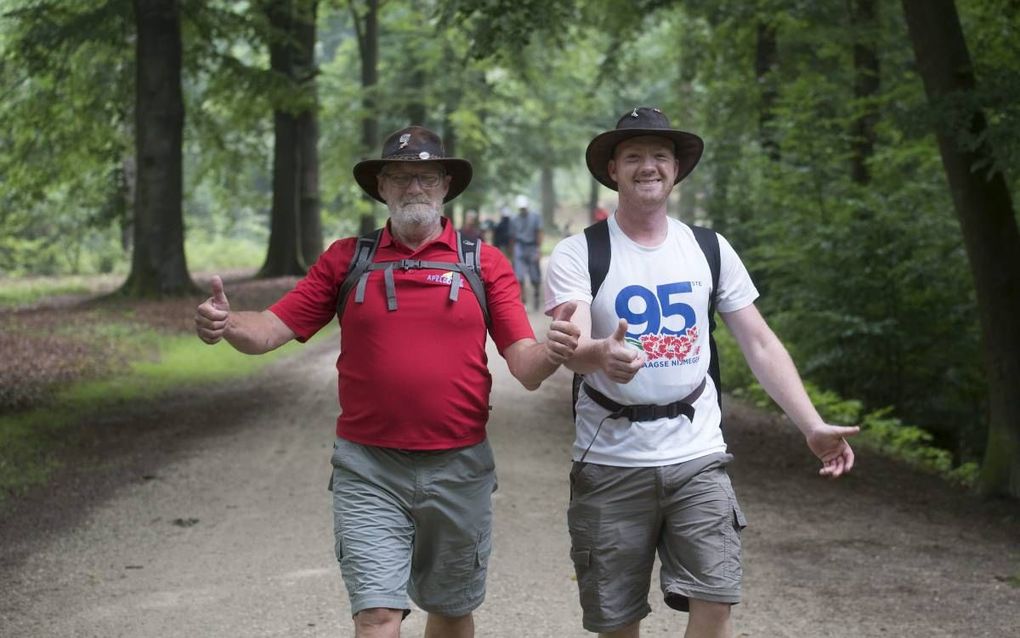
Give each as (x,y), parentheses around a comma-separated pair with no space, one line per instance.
(599,256)
(470,261)
(708,240)
(357,272)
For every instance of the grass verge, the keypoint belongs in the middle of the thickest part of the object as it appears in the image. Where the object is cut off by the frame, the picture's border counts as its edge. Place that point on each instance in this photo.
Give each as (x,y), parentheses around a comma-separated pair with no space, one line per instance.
(29,440)
(20,291)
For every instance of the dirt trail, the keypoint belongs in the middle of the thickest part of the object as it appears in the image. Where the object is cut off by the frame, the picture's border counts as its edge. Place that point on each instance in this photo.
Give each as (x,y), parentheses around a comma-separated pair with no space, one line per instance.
(207,515)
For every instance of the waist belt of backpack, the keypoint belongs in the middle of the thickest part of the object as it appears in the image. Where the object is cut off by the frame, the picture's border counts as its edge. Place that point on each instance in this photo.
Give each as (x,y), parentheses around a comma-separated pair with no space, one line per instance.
(647,411)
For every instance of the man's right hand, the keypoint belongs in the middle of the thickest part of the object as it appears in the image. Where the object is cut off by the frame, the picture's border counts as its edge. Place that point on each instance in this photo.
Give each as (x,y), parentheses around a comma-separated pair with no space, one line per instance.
(211,316)
(622,360)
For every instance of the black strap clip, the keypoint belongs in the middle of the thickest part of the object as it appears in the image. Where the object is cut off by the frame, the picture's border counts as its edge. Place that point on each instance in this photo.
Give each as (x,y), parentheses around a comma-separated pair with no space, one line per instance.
(647,411)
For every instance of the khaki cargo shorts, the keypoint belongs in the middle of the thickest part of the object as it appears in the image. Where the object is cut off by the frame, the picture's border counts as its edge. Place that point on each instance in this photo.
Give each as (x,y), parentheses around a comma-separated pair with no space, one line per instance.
(619,517)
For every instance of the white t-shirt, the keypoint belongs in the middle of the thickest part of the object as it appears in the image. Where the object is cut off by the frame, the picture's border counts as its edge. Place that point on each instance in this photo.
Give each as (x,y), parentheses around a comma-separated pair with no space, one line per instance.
(663,293)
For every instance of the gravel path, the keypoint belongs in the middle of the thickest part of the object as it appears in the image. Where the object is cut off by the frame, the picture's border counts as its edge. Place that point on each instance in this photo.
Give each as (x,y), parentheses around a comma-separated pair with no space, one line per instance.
(208,515)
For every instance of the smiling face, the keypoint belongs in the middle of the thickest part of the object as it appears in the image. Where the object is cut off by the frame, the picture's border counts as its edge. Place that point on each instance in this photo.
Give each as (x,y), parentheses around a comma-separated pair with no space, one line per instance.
(645,169)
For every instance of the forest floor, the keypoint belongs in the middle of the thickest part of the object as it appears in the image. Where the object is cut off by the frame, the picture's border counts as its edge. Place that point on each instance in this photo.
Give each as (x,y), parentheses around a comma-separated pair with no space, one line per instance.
(205,513)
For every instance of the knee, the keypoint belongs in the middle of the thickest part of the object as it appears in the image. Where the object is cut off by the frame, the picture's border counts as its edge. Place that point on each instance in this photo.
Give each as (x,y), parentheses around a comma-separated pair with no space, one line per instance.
(711,613)
(378,618)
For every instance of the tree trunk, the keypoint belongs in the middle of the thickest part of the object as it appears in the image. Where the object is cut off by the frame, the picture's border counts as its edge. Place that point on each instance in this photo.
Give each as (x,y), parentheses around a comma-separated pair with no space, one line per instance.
(988,223)
(765,60)
(310,203)
(863,18)
(310,222)
(283,257)
(367,28)
(158,265)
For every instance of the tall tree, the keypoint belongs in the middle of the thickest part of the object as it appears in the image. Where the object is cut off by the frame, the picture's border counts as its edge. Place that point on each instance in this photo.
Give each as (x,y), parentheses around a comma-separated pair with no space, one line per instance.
(366,26)
(158,265)
(864,20)
(988,223)
(309,202)
(284,255)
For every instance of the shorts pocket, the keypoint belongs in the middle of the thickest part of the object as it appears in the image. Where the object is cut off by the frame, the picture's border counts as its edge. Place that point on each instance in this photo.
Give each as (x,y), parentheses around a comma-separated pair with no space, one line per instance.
(733,544)
(483,549)
(587,578)
(581,558)
(739,520)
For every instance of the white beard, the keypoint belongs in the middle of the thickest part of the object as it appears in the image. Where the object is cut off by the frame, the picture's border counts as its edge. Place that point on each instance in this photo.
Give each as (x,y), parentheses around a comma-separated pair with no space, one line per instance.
(416,214)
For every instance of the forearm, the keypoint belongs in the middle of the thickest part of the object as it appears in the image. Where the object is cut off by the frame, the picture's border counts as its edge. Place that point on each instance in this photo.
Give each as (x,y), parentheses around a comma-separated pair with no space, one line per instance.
(256,332)
(589,357)
(777,374)
(529,363)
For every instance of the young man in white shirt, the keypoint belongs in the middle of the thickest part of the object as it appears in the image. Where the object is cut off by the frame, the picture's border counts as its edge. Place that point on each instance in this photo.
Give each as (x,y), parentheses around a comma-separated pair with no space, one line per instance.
(654,479)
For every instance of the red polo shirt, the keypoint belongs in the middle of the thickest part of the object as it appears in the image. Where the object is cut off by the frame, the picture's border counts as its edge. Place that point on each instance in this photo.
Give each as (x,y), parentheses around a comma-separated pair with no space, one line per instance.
(416,377)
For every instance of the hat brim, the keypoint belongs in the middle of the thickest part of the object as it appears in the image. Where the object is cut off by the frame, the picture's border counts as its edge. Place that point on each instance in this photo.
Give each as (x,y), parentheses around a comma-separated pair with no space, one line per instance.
(688,150)
(366,174)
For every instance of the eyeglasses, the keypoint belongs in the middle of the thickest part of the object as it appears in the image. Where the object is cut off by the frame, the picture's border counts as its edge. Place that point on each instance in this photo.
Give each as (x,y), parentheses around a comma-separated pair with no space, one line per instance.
(425,180)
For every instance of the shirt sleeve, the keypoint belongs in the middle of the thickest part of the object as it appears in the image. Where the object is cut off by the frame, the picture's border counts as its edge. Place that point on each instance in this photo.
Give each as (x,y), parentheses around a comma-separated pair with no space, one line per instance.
(567,277)
(510,321)
(312,303)
(736,290)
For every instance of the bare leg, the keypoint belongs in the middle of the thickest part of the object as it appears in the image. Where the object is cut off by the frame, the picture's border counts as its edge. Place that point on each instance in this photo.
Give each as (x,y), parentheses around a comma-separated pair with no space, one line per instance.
(378,622)
(709,620)
(450,626)
(630,631)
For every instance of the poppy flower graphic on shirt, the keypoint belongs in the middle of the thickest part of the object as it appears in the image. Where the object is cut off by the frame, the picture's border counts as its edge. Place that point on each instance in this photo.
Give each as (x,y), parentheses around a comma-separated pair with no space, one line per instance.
(667,346)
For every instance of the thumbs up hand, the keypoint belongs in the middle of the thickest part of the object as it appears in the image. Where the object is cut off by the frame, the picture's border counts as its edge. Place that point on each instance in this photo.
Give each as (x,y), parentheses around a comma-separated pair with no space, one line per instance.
(211,316)
(621,360)
(219,298)
(561,340)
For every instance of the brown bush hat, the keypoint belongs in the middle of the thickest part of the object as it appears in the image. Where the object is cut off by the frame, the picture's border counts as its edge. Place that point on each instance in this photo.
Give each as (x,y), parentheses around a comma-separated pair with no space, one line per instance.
(641,121)
(414,144)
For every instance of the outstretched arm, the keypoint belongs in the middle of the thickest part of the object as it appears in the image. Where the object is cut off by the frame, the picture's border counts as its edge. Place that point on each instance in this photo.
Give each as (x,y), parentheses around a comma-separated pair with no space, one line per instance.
(532,362)
(775,370)
(612,354)
(247,331)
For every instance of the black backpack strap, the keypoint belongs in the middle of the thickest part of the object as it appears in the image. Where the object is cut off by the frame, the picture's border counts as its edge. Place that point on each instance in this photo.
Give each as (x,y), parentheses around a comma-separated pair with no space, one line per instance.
(470,259)
(708,240)
(599,256)
(357,273)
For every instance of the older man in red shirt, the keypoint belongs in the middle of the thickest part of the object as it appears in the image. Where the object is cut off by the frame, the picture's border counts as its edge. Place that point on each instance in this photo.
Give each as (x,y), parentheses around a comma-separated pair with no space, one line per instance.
(413,473)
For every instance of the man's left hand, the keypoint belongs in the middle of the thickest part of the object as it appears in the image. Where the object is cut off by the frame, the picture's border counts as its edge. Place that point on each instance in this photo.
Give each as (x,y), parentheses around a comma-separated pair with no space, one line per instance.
(828,444)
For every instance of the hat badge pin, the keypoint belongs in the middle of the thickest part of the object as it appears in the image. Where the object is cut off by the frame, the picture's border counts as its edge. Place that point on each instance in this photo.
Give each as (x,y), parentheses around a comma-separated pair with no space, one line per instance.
(424,155)
(405,139)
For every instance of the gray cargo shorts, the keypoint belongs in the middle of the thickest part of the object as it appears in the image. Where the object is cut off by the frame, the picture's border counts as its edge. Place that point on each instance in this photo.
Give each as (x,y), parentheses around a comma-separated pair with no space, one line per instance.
(620,516)
(413,524)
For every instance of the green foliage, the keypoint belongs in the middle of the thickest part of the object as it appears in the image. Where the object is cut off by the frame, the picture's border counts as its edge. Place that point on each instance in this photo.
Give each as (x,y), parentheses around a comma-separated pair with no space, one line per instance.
(61,171)
(221,253)
(879,431)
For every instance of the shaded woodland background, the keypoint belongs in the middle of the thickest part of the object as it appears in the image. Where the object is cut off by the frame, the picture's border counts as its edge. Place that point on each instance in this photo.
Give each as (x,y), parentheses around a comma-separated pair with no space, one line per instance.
(860,155)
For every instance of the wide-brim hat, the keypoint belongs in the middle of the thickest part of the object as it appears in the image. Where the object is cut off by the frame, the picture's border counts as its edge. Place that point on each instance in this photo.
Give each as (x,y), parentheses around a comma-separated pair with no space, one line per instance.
(414,144)
(638,122)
